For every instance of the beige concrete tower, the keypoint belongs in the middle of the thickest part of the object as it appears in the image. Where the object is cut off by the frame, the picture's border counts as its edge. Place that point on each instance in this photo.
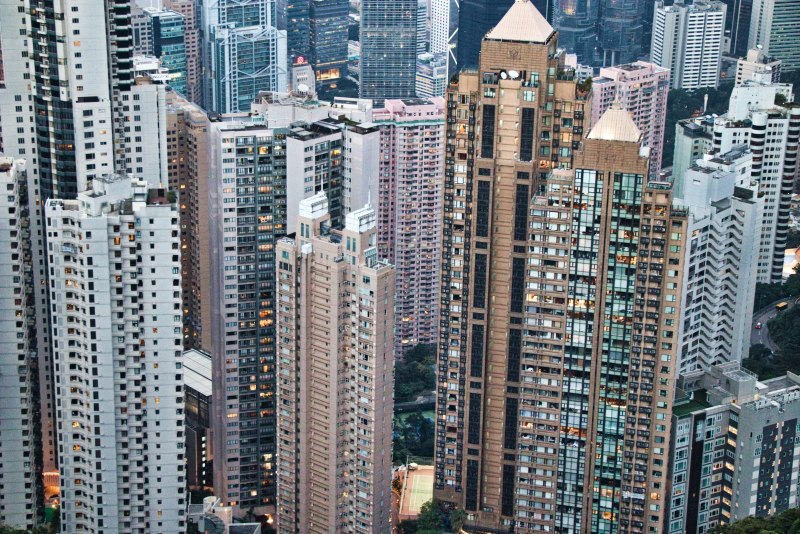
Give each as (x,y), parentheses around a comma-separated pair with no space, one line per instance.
(335,375)
(508,126)
(561,269)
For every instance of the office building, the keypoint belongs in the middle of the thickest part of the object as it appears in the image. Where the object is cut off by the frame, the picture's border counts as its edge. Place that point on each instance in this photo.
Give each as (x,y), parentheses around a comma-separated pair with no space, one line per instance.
(298,30)
(734,448)
(688,40)
(773,26)
(197,381)
(388,49)
(577,27)
(475,19)
(187,154)
(693,138)
(431,75)
(721,257)
(335,386)
(245,54)
(412,136)
(114,261)
(423,37)
(20,440)
(756,63)
(328,30)
(737,25)
(620,31)
(443,31)
(160,33)
(641,88)
(192,46)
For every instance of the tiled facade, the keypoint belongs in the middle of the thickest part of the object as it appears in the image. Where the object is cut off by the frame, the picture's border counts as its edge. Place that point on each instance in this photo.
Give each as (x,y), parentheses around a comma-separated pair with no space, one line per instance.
(409,211)
(335,376)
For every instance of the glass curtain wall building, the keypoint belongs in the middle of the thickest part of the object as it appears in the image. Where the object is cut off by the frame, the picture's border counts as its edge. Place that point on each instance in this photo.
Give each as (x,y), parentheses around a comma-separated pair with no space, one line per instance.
(168,44)
(388,49)
(328,29)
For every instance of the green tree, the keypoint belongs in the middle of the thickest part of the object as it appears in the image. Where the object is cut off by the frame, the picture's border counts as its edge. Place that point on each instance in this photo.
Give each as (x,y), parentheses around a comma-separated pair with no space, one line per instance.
(430,519)
(457,519)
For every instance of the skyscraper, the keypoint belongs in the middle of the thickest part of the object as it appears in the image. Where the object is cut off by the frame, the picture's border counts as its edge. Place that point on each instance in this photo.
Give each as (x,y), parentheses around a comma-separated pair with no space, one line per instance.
(642,89)
(688,40)
(475,18)
(774,26)
(721,251)
(388,49)
(621,30)
(443,31)
(245,53)
(328,29)
(410,212)
(114,256)
(192,43)
(335,371)
(576,21)
(298,31)
(551,393)
(20,468)
(737,24)
(160,33)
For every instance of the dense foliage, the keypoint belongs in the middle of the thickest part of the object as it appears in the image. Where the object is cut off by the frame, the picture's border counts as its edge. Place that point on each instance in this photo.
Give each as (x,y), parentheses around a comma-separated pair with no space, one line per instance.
(415,374)
(787,522)
(413,436)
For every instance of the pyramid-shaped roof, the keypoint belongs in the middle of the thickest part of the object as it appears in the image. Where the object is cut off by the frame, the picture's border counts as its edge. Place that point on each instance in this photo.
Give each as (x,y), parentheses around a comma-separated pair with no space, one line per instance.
(616,124)
(522,22)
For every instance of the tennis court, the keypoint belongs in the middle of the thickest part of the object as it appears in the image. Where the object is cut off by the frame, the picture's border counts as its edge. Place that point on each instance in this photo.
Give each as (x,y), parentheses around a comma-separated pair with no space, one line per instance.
(418,491)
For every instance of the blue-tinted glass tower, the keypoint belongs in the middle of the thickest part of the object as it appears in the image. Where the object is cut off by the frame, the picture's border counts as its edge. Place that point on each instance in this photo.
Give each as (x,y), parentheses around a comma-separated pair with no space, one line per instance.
(388,49)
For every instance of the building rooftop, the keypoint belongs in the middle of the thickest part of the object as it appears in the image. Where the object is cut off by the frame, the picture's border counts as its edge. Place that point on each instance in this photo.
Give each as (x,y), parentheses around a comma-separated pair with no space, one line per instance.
(616,124)
(197,371)
(522,22)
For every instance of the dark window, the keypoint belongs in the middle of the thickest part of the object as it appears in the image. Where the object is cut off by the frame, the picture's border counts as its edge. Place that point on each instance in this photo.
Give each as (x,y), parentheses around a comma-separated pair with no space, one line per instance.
(488,172)
(526,135)
(471,501)
(514,354)
(479,286)
(521,212)
(487,132)
(474,422)
(510,435)
(507,499)
(517,284)
(476,359)
(482,218)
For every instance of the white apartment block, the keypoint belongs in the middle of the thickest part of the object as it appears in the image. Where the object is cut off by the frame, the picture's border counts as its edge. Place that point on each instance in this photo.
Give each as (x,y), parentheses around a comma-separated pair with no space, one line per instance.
(115,295)
(721,256)
(771,131)
(18,383)
(757,63)
(688,40)
(335,376)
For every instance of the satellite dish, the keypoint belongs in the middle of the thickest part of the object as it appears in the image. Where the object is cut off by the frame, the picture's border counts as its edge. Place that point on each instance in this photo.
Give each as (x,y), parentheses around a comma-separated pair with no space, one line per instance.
(303,88)
(503,75)
(513,74)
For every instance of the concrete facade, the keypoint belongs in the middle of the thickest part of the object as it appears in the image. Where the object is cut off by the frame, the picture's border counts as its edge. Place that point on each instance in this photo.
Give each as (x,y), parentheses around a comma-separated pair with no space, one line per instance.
(335,371)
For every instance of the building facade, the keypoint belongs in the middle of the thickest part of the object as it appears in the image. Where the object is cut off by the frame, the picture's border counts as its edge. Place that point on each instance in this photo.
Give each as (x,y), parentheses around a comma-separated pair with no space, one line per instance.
(328,24)
(20,467)
(199,455)
(114,257)
(734,448)
(688,40)
(335,386)
(773,26)
(245,53)
(192,47)
(721,258)
(641,88)
(431,75)
(412,137)
(756,63)
(387,67)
